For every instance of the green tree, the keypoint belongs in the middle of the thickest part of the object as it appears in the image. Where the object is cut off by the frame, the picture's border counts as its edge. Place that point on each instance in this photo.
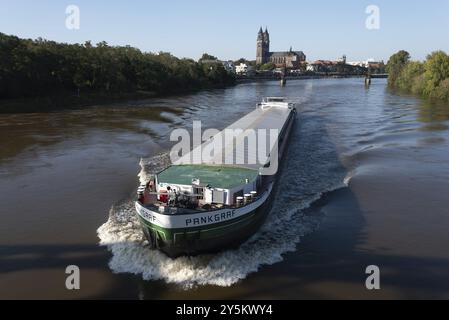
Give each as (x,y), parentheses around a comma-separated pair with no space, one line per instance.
(30,68)
(267,66)
(437,70)
(241,60)
(406,79)
(206,57)
(395,65)
(442,91)
(429,78)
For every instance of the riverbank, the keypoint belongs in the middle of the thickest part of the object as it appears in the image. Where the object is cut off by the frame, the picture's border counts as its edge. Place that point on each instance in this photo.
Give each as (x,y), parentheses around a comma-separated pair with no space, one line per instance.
(428,79)
(44,75)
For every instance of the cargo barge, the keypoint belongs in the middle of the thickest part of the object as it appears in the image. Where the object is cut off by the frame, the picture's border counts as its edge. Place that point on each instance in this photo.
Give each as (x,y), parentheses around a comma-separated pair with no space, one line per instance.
(190,209)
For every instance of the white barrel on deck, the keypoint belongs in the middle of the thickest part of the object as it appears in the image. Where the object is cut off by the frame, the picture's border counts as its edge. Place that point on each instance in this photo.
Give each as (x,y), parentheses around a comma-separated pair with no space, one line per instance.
(247,198)
(253,195)
(239,201)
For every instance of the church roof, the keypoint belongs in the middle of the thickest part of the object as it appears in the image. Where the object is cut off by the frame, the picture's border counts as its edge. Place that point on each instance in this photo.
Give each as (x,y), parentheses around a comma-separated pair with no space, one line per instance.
(285,53)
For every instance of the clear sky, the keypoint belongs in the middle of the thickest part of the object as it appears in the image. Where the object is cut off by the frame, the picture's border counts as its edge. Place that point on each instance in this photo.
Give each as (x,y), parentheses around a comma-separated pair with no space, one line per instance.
(228,29)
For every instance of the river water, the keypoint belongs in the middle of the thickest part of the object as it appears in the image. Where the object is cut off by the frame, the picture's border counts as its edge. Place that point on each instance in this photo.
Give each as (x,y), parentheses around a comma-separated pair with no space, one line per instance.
(365,182)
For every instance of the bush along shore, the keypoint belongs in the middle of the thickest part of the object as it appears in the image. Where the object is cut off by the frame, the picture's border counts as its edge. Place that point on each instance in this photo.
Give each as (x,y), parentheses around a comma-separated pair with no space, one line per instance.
(429,78)
(42,75)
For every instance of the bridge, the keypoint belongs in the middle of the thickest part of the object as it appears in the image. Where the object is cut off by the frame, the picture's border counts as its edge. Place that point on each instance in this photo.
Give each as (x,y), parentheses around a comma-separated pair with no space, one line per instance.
(277,76)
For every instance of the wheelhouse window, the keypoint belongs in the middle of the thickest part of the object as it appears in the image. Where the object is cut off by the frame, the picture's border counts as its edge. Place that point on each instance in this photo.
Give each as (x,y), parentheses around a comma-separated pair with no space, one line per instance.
(199,192)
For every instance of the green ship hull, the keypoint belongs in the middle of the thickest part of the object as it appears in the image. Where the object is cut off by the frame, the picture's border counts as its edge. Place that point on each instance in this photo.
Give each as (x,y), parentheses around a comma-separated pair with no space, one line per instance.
(206,239)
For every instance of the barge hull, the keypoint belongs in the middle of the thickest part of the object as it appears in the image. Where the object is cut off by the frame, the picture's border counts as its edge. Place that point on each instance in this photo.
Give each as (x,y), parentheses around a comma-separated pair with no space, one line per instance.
(213,238)
(210,239)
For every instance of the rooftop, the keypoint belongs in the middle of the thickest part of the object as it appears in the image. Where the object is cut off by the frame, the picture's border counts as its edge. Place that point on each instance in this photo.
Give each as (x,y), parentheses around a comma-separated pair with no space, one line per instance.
(216,176)
(285,53)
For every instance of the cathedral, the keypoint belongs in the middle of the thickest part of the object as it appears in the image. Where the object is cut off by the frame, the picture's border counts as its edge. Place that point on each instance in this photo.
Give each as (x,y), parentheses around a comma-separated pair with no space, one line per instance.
(288,59)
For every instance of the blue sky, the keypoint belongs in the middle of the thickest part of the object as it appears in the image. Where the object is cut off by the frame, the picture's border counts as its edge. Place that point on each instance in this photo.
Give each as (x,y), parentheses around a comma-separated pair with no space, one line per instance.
(228,29)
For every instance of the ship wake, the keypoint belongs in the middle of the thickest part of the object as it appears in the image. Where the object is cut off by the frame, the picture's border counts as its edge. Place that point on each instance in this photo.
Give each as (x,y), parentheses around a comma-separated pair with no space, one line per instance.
(282,232)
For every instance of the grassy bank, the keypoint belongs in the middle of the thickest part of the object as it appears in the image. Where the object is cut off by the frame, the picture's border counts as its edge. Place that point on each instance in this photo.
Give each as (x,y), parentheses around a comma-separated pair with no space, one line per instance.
(429,78)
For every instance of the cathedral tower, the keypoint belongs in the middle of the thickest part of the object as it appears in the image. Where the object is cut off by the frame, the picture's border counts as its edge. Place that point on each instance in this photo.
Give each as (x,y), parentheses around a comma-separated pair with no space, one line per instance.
(266,37)
(260,55)
(263,47)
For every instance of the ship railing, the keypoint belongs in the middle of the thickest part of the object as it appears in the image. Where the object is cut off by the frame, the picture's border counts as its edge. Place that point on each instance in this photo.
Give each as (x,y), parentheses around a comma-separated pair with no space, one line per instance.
(233,206)
(266,105)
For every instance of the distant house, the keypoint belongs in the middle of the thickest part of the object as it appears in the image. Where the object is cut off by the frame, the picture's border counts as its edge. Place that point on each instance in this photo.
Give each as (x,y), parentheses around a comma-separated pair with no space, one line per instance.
(229,66)
(358,63)
(310,67)
(323,66)
(340,66)
(376,67)
(368,64)
(243,69)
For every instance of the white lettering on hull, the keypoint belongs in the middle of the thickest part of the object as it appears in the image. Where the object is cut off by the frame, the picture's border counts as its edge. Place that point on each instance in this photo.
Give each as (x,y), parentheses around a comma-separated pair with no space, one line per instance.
(199,219)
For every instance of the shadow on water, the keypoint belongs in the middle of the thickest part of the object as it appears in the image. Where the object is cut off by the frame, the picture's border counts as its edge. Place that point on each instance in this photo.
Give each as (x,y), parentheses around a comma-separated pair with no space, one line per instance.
(42,267)
(26,257)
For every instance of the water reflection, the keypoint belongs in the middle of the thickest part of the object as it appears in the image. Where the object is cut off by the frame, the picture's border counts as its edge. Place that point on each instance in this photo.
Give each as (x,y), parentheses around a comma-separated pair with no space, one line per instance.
(39,130)
(434,114)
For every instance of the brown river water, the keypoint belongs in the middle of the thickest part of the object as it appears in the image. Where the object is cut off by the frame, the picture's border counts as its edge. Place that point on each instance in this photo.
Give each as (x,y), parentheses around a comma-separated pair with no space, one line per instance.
(365,182)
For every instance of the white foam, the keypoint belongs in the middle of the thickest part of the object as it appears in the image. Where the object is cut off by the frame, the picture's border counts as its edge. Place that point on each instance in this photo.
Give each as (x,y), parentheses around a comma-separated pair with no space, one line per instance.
(151,166)
(131,255)
(349,177)
(281,233)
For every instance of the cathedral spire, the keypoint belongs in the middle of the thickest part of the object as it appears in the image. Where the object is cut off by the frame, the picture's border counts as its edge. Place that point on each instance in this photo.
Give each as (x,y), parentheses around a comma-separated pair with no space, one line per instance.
(260,36)
(266,37)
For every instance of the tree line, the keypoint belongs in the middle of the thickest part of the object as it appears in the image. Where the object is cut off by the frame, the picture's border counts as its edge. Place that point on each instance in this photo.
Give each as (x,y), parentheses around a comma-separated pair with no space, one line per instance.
(34,68)
(429,78)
